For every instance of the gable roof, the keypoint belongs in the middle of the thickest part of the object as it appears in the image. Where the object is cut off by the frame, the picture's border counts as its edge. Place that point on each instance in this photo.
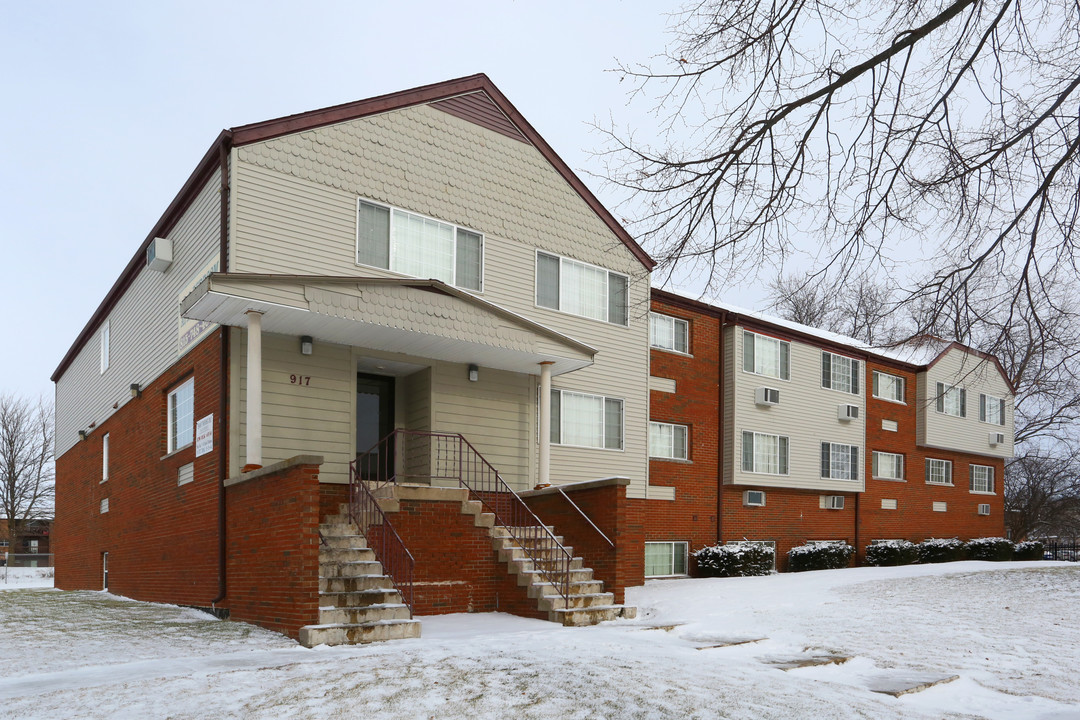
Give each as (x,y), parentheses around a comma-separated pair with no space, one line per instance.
(474,98)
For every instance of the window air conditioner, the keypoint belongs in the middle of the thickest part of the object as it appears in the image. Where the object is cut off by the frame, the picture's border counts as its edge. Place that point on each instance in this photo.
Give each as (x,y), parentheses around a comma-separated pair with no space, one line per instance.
(834,502)
(754,498)
(997,439)
(847,412)
(767,396)
(984,508)
(159,254)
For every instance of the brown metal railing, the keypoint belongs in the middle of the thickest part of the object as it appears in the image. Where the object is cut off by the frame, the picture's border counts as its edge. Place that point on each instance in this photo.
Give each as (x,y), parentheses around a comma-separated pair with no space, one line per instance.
(429,457)
(382,538)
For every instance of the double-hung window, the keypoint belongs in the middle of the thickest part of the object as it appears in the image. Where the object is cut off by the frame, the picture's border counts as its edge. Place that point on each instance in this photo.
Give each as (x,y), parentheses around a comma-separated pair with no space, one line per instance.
(938,472)
(763,453)
(419,246)
(839,461)
(576,288)
(764,355)
(667,441)
(665,558)
(585,420)
(182,415)
(839,373)
(888,387)
(668,333)
(951,400)
(887,466)
(982,479)
(991,409)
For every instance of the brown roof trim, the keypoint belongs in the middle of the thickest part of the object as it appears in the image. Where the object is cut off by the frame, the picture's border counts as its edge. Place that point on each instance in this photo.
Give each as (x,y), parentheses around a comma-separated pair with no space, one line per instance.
(190,189)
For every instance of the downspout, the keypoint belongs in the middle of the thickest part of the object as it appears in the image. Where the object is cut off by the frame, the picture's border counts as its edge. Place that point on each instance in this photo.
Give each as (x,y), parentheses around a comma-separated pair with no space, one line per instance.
(720,429)
(223,373)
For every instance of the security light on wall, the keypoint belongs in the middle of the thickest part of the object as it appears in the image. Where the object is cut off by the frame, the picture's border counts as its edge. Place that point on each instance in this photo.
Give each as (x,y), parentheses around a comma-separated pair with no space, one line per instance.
(306,344)
(136,390)
(82,434)
(474,373)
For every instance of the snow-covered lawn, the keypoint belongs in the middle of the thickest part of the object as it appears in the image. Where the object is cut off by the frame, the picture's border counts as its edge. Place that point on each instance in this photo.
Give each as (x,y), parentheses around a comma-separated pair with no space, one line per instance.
(25,577)
(1011,632)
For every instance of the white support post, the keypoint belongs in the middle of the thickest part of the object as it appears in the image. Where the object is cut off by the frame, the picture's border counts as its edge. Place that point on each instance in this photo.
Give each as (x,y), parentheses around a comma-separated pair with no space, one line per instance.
(543,475)
(254,390)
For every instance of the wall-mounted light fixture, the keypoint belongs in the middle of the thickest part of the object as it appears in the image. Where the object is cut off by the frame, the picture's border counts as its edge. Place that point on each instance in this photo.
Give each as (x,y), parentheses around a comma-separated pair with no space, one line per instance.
(474,373)
(136,391)
(82,434)
(305,345)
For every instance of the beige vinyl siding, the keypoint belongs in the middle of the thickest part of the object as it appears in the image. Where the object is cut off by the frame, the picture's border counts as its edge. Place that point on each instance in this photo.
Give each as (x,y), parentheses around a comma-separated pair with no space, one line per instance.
(806,414)
(144,326)
(730,368)
(413,397)
(965,434)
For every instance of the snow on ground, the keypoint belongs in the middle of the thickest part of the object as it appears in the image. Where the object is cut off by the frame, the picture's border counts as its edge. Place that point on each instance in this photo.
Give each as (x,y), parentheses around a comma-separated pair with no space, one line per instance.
(1010,631)
(12,578)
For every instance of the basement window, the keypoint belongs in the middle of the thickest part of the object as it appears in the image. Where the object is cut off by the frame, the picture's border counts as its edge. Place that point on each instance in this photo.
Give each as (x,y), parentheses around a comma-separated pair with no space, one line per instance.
(664,559)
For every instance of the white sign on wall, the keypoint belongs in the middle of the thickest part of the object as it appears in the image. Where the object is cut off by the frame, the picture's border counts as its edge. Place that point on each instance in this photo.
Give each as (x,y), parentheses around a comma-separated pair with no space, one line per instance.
(204,435)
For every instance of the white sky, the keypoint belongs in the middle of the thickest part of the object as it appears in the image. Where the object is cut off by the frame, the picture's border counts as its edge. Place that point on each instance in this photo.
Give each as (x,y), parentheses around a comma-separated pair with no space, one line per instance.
(110,105)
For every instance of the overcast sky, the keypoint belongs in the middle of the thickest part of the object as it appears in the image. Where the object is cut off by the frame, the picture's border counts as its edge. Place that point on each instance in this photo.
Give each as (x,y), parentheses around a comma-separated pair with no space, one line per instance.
(109,106)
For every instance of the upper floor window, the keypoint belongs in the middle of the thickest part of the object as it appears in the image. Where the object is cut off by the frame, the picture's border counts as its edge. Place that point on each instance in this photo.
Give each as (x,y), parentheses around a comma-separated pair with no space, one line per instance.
(764,355)
(887,466)
(419,246)
(580,289)
(104,457)
(104,346)
(182,415)
(667,441)
(888,387)
(951,400)
(762,453)
(839,373)
(982,478)
(938,472)
(586,420)
(839,462)
(668,333)
(991,409)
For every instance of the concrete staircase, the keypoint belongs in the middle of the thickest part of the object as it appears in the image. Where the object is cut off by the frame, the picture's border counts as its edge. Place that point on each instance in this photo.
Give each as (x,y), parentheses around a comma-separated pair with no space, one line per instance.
(357,602)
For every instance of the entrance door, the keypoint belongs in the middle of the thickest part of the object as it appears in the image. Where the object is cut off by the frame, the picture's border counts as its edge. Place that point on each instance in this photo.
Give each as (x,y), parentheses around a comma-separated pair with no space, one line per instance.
(104,571)
(374,421)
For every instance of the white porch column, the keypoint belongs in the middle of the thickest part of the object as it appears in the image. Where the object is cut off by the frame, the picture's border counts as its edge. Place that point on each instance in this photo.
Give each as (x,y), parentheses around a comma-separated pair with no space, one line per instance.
(254,389)
(543,475)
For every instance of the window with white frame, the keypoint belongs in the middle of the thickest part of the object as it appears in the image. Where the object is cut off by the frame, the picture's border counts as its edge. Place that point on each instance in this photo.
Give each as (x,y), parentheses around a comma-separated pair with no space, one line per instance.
(888,387)
(104,457)
(938,472)
(839,461)
(580,289)
(764,453)
(412,244)
(104,346)
(667,441)
(991,409)
(668,333)
(951,400)
(887,466)
(982,479)
(665,558)
(585,420)
(839,373)
(182,415)
(764,355)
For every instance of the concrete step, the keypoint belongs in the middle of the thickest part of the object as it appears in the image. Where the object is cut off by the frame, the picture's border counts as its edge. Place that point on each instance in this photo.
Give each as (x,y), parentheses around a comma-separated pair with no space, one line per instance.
(359,598)
(332,555)
(529,576)
(363,615)
(344,542)
(355,568)
(356,583)
(580,617)
(353,633)
(575,601)
(338,529)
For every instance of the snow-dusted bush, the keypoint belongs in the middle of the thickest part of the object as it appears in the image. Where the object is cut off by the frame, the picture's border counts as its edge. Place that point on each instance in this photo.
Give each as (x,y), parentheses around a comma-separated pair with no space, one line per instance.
(995,548)
(734,560)
(891,552)
(939,550)
(1029,550)
(819,557)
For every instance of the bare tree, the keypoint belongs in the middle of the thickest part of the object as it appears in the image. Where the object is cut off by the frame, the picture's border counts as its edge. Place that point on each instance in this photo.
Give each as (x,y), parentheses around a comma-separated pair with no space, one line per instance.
(1042,493)
(26,467)
(861,308)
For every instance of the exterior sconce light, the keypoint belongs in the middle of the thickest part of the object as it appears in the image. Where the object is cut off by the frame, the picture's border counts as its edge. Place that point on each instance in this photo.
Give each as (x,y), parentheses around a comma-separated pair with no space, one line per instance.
(305,345)
(136,391)
(474,373)
(82,434)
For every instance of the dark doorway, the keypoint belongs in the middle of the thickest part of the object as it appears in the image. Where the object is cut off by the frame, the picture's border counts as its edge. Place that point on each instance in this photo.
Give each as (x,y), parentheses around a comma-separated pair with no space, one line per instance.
(374,421)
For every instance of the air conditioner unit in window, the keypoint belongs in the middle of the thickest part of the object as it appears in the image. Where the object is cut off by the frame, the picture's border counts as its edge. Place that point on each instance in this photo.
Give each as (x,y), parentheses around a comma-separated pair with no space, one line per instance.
(984,508)
(159,254)
(753,498)
(997,439)
(767,396)
(834,502)
(847,412)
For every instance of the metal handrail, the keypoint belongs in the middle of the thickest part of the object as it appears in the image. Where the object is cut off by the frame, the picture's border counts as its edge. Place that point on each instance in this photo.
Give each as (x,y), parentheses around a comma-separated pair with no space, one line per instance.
(382,538)
(587,518)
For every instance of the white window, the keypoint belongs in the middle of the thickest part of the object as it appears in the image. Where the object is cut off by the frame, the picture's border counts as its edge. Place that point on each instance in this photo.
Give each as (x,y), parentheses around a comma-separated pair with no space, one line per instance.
(763,355)
(182,415)
(938,472)
(839,461)
(667,441)
(941,507)
(839,373)
(888,466)
(104,457)
(104,346)
(104,506)
(951,400)
(419,246)
(185,474)
(888,503)
(579,289)
(763,453)
(665,558)
(888,387)
(586,420)
(991,409)
(32,546)
(668,333)
(982,479)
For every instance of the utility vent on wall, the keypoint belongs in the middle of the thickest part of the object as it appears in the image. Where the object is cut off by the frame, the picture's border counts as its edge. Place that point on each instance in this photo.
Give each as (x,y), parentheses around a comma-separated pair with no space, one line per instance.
(984,508)
(753,498)
(767,396)
(997,439)
(159,254)
(832,502)
(847,412)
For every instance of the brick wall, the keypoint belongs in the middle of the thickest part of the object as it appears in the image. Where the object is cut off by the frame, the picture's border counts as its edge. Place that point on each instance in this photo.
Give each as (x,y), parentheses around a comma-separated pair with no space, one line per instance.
(331,498)
(273,545)
(162,538)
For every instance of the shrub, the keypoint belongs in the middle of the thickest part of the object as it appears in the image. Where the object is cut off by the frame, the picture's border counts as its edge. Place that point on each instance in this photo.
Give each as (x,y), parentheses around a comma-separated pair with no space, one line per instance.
(819,557)
(734,560)
(891,552)
(939,550)
(1029,550)
(995,548)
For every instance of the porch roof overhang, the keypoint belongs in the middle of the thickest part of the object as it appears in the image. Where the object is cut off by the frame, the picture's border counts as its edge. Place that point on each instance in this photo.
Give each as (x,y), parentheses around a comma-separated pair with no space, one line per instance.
(421,318)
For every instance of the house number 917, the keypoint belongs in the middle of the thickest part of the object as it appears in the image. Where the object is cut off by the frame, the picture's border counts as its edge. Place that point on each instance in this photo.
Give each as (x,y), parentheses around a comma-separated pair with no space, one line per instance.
(300,379)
